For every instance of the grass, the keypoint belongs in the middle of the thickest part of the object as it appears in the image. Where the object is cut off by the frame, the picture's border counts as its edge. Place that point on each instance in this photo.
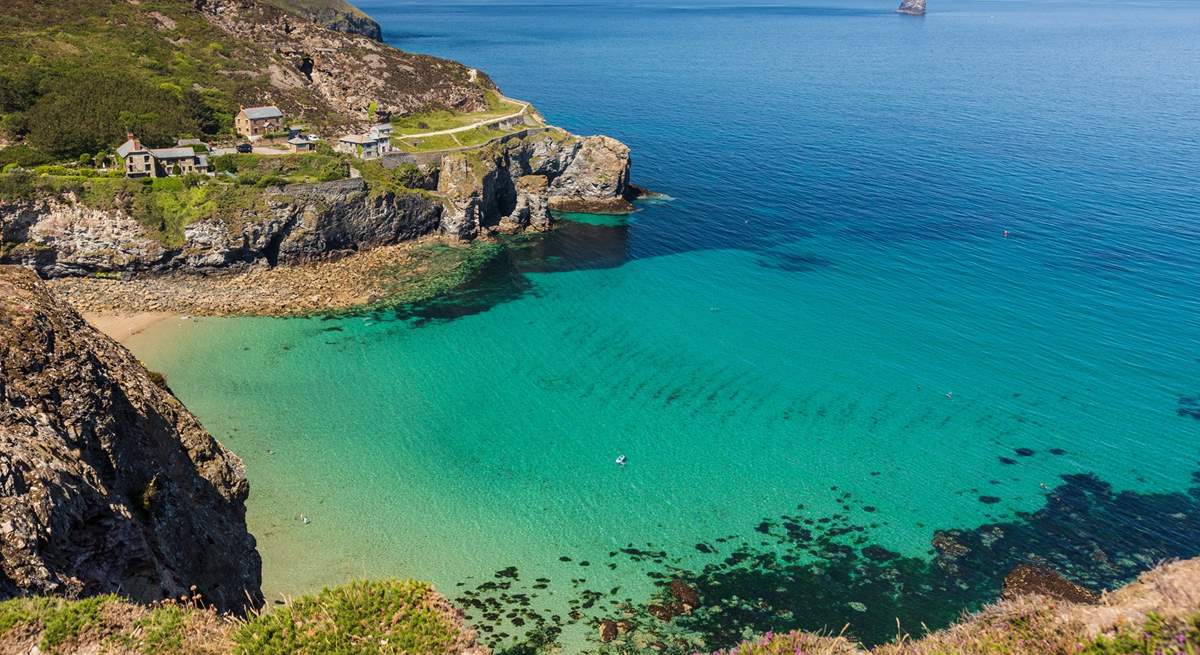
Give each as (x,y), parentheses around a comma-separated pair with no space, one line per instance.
(1157,636)
(297,168)
(359,618)
(433,121)
(59,620)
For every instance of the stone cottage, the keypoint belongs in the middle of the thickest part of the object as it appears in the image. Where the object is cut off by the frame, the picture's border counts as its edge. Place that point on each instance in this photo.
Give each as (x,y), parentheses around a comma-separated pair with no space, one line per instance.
(254,122)
(159,162)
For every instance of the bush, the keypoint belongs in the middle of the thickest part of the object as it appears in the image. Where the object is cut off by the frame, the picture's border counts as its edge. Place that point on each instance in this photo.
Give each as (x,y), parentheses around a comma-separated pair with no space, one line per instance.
(364,618)
(17,185)
(23,155)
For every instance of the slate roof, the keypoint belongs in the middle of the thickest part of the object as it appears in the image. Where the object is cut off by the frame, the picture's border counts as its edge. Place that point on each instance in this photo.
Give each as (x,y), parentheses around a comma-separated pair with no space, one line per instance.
(124,149)
(173,153)
(259,113)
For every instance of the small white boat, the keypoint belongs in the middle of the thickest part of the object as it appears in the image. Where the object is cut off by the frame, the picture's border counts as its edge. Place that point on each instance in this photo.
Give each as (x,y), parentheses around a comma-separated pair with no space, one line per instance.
(621,460)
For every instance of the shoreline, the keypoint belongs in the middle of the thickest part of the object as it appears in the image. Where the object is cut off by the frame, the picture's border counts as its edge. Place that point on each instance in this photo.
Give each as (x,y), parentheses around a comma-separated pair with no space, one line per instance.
(362,281)
(123,326)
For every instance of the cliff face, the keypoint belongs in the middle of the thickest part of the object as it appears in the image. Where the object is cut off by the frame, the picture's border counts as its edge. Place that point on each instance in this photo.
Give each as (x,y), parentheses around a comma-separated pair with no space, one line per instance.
(914,7)
(347,73)
(337,15)
(59,236)
(516,182)
(107,483)
(509,185)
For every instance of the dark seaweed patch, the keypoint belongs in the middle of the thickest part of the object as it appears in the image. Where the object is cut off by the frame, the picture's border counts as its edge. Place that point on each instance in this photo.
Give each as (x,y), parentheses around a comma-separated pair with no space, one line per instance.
(1007,460)
(1189,406)
(989,500)
(793,262)
(789,576)
(1024,452)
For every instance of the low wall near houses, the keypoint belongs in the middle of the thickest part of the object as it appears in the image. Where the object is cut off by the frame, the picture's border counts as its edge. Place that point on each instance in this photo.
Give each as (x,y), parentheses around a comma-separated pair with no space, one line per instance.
(394,159)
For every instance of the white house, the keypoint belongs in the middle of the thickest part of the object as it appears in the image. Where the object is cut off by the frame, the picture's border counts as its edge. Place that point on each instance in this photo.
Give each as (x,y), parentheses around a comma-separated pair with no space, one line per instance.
(372,145)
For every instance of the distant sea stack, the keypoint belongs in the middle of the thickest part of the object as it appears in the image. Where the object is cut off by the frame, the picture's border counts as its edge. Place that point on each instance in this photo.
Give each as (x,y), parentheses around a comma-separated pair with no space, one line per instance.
(913,7)
(107,483)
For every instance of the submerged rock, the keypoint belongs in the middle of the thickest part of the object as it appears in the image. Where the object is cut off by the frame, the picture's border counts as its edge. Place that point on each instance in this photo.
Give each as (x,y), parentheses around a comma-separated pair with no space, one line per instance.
(1032,579)
(107,483)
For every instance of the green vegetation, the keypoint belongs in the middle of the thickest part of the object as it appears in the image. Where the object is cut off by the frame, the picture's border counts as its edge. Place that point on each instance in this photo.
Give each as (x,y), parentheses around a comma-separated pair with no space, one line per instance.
(404,178)
(467,138)
(75,75)
(433,121)
(163,205)
(58,620)
(321,166)
(358,618)
(1157,636)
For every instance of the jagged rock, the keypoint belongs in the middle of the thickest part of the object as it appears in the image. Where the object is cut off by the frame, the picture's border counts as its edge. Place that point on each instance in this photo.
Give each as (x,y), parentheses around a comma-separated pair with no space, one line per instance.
(596,180)
(531,209)
(608,630)
(337,15)
(1033,579)
(914,7)
(685,595)
(524,177)
(348,72)
(59,236)
(107,483)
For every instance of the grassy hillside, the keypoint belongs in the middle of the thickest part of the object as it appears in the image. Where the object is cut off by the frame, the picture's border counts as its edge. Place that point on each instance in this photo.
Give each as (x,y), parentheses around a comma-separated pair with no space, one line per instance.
(1157,615)
(75,75)
(364,617)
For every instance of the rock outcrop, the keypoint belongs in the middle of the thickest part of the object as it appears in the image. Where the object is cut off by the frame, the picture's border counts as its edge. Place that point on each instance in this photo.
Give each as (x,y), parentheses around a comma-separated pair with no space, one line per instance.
(61,236)
(107,483)
(518,181)
(337,15)
(349,74)
(512,184)
(914,7)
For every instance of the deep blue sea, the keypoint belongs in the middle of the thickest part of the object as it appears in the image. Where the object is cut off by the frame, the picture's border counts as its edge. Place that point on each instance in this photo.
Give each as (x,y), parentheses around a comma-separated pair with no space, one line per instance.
(924,304)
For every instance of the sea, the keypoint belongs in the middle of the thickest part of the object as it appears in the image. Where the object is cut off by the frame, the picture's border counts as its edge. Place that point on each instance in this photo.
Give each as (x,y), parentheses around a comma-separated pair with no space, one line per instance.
(918,301)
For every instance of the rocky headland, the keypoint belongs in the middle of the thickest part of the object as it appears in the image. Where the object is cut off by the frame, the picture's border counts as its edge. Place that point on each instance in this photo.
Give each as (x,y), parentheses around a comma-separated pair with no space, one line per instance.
(912,7)
(107,483)
(511,185)
(337,15)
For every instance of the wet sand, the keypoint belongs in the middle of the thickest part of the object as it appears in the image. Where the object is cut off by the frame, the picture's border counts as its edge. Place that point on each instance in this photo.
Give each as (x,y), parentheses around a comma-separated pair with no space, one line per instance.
(124,326)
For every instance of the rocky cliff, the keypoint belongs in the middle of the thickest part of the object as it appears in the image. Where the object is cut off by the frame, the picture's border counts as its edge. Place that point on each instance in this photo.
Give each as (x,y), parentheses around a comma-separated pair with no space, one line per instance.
(914,7)
(511,184)
(343,76)
(107,483)
(61,236)
(337,15)
(517,182)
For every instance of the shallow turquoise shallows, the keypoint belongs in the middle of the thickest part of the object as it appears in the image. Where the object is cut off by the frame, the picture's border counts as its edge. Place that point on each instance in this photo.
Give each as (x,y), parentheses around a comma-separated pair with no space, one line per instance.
(924,304)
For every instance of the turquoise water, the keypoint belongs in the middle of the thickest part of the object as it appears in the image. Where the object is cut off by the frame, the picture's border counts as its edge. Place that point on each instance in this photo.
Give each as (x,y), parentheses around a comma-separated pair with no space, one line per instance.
(822,350)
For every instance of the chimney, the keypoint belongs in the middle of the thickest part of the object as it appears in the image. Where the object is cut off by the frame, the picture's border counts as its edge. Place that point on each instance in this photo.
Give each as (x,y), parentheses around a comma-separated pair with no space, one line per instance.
(131,137)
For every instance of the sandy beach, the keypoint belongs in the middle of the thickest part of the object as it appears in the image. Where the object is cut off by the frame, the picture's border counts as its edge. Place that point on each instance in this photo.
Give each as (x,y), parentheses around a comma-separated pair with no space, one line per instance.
(124,326)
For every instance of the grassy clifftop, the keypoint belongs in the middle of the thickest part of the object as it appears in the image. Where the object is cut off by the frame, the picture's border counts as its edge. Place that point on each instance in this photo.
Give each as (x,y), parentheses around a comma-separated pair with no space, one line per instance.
(1157,615)
(390,616)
